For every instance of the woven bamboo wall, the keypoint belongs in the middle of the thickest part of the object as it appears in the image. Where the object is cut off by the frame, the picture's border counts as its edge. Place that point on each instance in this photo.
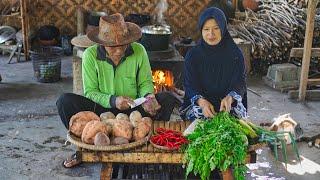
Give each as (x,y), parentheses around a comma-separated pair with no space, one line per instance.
(8,19)
(181,15)
(13,21)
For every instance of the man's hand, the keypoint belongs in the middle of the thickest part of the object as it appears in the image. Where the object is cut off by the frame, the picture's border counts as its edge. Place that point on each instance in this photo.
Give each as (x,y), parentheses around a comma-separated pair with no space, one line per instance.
(123,103)
(150,96)
(226,104)
(207,108)
(151,106)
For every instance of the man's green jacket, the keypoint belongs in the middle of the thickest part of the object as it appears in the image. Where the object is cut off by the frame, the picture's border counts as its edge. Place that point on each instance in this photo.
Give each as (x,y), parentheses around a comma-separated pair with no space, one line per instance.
(103,80)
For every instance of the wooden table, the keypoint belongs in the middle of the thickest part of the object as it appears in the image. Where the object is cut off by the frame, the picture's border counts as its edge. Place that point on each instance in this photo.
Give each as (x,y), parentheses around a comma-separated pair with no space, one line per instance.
(146,154)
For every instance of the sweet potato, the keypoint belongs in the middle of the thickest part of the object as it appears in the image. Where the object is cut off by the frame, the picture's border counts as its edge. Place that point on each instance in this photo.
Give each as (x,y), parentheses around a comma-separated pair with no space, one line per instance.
(122,116)
(119,140)
(135,117)
(141,130)
(147,120)
(101,139)
(91,129)
(122,128)
(78,121)
(109,122)
(107,115)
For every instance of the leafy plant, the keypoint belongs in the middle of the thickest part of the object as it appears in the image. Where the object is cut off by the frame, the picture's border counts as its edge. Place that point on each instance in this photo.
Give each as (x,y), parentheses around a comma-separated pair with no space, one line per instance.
(217,143)
(221,142)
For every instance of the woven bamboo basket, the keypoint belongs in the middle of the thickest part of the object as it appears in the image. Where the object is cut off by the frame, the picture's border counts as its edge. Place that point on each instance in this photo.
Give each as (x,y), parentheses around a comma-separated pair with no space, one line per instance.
(163,147)
(77,141)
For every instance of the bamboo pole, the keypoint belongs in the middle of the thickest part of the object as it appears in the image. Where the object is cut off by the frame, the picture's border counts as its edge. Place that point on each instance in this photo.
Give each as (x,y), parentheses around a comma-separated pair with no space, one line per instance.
(311,12)
(80,21)
(235,4)
(24,21)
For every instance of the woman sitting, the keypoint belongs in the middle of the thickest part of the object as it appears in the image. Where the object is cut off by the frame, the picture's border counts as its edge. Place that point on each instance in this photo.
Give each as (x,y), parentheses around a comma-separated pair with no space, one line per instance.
(215,78)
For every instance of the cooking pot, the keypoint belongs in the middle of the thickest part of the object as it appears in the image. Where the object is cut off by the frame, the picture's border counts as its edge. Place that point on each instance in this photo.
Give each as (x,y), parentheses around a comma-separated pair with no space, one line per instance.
(139,19)
(156,37)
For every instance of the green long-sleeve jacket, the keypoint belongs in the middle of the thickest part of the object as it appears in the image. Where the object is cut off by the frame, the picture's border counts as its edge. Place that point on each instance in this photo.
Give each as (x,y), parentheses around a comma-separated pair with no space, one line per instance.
(103,80)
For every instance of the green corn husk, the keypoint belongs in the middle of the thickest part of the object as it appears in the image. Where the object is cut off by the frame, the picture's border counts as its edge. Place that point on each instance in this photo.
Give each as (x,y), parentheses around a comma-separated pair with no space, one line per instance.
(217,143)
(275,138)
(246,128)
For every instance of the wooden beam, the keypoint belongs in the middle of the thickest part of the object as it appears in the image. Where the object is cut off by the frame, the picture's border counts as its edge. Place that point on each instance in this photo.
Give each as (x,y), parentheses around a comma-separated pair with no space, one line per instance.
(24,22)
(298,52)
(310,94)
(313,82)
(161,157)
(149,158)
(311,12)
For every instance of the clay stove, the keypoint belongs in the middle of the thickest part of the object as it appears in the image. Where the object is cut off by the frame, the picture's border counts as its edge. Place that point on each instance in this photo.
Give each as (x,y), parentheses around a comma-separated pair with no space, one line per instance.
(167,69)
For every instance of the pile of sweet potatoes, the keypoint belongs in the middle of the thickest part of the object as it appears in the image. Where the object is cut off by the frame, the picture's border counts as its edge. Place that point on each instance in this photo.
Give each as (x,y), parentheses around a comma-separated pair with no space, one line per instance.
(109,129)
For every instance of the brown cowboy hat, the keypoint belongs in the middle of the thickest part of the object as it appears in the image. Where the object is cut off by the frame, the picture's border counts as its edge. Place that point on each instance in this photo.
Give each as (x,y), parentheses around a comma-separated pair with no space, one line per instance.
(114,31)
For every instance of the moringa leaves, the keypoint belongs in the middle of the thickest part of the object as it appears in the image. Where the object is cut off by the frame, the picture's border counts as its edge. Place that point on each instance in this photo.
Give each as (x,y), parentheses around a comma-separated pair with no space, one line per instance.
(217,143)
(221,142)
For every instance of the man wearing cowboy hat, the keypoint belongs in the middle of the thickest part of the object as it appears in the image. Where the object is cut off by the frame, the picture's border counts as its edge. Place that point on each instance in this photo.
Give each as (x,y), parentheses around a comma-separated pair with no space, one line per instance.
(115,71)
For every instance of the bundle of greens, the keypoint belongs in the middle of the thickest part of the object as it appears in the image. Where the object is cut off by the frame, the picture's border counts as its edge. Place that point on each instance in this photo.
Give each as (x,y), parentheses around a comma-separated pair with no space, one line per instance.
(217,143)
(222,142)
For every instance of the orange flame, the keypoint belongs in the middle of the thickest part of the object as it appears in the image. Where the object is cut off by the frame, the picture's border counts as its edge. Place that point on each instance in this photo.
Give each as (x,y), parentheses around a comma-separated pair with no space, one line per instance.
(162,79)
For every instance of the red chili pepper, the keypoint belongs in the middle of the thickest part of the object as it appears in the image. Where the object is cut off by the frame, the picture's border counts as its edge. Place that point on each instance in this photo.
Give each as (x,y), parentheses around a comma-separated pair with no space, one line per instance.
(168,138)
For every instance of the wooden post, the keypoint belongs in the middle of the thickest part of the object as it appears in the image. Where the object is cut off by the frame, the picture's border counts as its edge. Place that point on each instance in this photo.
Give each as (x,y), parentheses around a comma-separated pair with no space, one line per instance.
(77,72)
(311,12)
(227,174)
(235,4)
(80,21)
(106,171)
(24,21)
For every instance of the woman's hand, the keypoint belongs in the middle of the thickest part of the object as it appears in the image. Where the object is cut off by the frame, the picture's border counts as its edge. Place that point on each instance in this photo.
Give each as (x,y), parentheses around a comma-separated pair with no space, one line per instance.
(226,104)
(123,103)
(207,108)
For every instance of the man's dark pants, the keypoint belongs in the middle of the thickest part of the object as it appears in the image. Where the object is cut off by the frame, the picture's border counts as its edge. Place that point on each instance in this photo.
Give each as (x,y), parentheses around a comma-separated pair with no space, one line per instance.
(69,104)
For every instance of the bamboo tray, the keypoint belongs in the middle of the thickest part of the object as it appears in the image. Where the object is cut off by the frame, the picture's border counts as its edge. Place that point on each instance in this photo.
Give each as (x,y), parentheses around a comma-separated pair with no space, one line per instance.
(77,141)
(163,147)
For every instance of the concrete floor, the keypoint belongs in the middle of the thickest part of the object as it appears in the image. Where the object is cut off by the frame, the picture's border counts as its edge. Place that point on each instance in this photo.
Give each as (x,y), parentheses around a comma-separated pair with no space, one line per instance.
(32,138)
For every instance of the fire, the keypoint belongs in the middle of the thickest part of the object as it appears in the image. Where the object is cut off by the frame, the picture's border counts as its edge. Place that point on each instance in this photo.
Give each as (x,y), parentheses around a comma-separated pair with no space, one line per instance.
(162,80)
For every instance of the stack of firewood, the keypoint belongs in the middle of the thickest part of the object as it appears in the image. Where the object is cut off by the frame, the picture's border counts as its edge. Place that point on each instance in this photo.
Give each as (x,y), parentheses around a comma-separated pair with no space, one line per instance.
(273,31)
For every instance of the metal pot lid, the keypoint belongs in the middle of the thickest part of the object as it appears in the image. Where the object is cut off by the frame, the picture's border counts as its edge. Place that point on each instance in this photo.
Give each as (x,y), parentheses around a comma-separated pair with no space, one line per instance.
(156,29)
(6,33)
(98,13)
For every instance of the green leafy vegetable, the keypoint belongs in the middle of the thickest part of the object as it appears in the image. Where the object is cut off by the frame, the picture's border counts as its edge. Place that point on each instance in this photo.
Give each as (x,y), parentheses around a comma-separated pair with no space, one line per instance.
(221,142)
(217,143)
